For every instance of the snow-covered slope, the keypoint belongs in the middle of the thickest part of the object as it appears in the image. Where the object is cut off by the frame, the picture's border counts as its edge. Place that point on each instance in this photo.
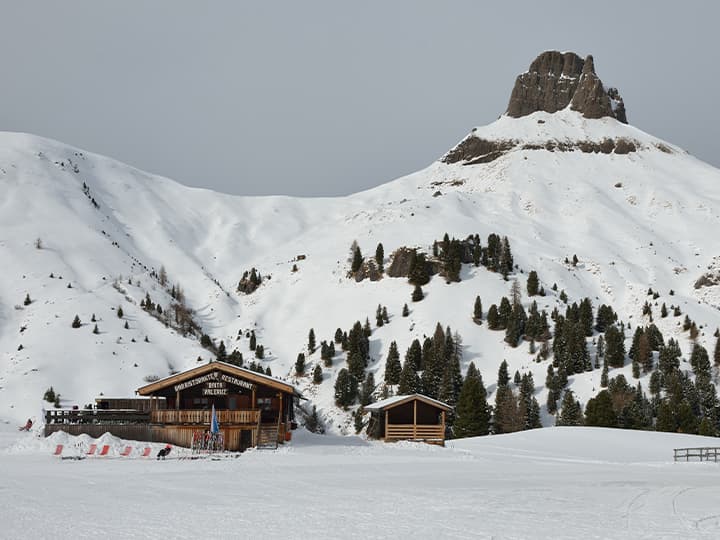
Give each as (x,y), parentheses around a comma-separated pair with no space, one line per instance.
(635,220)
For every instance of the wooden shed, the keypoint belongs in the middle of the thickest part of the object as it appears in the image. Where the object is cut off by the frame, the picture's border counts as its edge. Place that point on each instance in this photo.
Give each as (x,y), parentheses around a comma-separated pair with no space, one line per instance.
(409,418)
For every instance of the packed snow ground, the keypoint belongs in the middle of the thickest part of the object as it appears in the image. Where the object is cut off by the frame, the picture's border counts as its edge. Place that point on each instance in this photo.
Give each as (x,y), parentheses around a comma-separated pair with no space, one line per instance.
(556,483)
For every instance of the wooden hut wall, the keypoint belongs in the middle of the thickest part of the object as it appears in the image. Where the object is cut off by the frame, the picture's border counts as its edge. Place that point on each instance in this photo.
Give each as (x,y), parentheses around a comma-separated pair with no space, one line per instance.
(404,414)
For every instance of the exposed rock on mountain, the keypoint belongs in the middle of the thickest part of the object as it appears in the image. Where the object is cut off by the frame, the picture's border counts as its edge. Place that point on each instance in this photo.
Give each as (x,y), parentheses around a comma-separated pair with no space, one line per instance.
(556,80)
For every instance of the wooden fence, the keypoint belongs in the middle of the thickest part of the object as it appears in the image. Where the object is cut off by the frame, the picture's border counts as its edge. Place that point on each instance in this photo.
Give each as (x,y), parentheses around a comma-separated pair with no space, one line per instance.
(699,454)
(423,432)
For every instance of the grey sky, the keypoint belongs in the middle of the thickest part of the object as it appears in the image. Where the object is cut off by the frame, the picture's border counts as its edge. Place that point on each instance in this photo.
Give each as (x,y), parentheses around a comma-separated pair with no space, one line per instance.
(329,98)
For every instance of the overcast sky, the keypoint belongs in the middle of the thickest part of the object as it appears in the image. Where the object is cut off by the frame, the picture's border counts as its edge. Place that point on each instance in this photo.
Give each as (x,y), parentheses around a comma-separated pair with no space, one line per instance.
(330,98)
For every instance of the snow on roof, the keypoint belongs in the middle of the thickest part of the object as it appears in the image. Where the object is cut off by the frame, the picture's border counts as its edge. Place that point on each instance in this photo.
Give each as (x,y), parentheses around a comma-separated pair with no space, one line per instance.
(395,400)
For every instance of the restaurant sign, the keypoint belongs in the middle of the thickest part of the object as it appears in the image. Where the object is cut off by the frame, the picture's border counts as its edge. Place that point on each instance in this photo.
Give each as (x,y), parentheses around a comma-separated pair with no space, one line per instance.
(215,384)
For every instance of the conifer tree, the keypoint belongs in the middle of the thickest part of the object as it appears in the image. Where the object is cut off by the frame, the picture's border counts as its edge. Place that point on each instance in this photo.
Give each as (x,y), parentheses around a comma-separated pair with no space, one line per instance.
(380,256)
(260,352)
(477,311)
(379,321)
(392,365)
(571,412)
(253,340)
(473,413)
(27,300)
(614,347)
(405,311)
(300,364)
(76,322)
(317,374)
(604,376)
(338,335)
(409,381)
(311,341)
(96,330)
(599,411)
(368,387)
(357,260)
(415,354)
(120,312)
(493,318)
(345,388)
(533,283)
(417,294)
(716,354)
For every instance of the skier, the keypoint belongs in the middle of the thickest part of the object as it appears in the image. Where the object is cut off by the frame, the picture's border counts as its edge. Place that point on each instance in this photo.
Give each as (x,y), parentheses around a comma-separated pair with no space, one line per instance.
(164,452)
(27,425)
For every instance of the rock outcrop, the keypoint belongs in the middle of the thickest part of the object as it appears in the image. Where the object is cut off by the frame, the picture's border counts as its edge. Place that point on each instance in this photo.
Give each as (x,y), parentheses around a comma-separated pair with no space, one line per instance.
(556,80)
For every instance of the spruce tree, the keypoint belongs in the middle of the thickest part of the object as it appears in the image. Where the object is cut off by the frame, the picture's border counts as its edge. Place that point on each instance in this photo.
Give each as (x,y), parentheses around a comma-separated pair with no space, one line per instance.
(317,374)
(417,294)
(472,412)
(27,300)
(571,412)
(409,381)
(338,335)
(120,312)
(311,341)
(599,411)
(716,354)
(253,340)
(533,283)
(493,318)
(477,311)
(380,256)
(76,322)
(405,311)
(345,388)
(368,387)
(357,260)
(96,330)
(300,364)
(392,365)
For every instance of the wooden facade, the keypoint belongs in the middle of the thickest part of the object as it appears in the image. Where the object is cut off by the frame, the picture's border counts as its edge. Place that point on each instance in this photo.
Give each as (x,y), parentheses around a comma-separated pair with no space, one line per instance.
(253,410)
(409,418)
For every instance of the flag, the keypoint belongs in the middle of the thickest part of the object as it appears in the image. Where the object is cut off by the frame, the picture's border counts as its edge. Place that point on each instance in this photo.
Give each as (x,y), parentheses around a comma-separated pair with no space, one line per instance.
(214,425)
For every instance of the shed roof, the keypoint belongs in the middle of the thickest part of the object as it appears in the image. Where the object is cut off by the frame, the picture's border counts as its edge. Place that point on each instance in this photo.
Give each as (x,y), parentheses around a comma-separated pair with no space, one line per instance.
(394,401)
(224,367)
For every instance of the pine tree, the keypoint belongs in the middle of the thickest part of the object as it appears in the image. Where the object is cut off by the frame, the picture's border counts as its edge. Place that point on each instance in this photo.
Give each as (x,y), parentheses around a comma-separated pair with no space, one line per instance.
(716,354)
(472,411)
(345,388)
(477,311)
(260,352)
(493,318)
(368,387)
(120,312)
(300,364)
(604,376)
(96,330)
(533,283)
(571,412)
(357,260)
(417,294)
(311,341)
(392,365)
(379,321)
(409,382)
(614,347)
(27,300)
(405,311)
(76,322)
(317,374)
(338,335)
(253,340)
(599,411)
(380,256)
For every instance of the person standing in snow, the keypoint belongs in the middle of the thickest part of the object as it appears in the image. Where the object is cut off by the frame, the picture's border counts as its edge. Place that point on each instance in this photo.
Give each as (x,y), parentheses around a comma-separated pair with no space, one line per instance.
(164,451)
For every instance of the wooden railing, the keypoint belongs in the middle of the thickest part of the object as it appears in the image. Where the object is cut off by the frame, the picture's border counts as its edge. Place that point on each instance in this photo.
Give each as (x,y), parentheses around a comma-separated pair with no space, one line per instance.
(96,416)
(196,416)
(700,454)
(414,432)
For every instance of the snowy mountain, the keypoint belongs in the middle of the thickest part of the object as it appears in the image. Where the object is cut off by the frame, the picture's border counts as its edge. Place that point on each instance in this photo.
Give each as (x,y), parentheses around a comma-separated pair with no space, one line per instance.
(82,234)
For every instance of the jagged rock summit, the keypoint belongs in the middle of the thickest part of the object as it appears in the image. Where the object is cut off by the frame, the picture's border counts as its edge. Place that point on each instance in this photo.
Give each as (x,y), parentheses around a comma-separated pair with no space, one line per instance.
(557,80)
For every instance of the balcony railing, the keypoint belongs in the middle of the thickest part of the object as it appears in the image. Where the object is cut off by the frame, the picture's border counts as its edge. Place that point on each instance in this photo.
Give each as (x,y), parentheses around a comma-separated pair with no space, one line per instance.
(196,416)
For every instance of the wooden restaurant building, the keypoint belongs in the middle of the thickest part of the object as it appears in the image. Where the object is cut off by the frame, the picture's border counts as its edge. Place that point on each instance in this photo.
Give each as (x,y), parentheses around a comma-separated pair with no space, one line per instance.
(252,409)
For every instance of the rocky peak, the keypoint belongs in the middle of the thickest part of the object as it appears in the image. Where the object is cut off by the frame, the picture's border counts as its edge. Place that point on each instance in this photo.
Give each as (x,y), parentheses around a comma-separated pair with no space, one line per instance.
(556,80)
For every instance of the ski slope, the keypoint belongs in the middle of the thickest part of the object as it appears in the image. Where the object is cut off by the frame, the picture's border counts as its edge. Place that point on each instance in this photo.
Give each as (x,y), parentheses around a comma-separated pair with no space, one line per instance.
(554,483)
(635,221)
